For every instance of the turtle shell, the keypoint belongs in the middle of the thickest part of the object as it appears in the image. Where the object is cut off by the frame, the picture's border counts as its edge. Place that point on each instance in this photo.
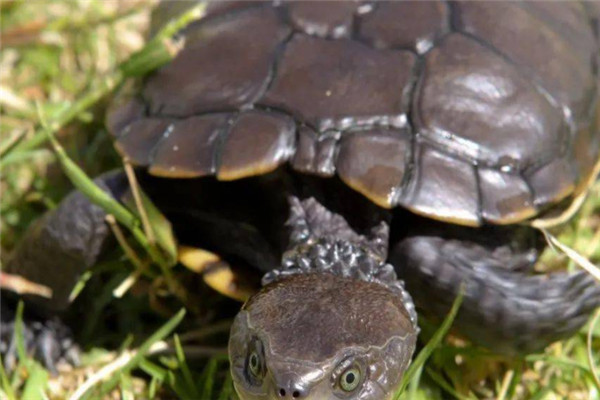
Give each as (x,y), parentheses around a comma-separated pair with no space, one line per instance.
(470,112)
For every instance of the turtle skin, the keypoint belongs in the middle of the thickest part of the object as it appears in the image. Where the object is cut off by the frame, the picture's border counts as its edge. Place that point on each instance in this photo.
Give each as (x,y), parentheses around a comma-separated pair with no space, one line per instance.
(448,110)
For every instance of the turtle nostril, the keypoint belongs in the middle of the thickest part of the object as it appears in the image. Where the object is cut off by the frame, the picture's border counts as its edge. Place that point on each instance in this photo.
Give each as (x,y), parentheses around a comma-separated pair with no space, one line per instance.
(295,394)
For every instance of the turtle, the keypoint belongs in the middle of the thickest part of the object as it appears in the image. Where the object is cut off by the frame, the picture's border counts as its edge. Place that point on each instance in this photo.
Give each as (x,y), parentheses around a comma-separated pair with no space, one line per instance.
(369,160)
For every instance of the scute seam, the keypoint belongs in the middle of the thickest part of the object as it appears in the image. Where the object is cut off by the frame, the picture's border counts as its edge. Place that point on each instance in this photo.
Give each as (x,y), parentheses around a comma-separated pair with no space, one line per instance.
(479,211)
(154,149)
(221,138)
(277,55)
(357,20)
(414,83)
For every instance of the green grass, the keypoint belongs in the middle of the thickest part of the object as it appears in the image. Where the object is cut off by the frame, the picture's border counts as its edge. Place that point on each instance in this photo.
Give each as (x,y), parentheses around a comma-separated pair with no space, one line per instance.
(59,63)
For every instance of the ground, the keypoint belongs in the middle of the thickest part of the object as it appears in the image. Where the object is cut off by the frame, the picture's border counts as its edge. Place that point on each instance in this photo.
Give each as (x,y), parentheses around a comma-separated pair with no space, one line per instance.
(59,64)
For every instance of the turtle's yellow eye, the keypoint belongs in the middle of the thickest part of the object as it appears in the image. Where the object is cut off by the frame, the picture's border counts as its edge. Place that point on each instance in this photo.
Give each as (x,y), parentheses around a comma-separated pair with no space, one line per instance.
(350,379)
(254,364)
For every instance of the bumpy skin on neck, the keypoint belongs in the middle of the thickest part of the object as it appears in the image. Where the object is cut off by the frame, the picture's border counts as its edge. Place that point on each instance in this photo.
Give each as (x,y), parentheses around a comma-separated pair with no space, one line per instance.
(344,259)
(323,242)
(333,308)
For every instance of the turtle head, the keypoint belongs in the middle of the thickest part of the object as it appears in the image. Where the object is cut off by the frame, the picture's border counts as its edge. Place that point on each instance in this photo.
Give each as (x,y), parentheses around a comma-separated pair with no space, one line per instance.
(321,336)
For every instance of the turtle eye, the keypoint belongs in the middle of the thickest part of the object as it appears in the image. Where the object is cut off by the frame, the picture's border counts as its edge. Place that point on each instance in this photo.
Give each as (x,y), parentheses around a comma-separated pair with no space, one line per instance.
(350,378)
(255,365)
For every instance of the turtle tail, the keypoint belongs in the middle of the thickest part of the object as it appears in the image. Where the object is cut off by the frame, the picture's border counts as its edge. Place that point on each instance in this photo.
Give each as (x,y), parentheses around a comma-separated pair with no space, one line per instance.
(505,308)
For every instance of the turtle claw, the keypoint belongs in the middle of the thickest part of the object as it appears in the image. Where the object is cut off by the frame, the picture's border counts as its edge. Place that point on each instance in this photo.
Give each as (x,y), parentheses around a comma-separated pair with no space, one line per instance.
(54,345)
(48,341)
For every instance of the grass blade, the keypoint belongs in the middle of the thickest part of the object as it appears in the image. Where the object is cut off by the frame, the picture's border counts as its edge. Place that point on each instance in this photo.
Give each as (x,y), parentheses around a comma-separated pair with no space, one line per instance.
(161,48)
(20,335)
(431,345)
(227,391)
(413,385)
(5,383)
(207,379)
(573,255)
(437,378)
(86,185)
(127,361)
(185,370)
(36,382)
(104,200)
(590,356)
(159,224)
(160,334)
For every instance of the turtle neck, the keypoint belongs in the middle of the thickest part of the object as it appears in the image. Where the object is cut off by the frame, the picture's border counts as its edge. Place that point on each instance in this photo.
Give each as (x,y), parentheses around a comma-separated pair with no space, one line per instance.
(341,258)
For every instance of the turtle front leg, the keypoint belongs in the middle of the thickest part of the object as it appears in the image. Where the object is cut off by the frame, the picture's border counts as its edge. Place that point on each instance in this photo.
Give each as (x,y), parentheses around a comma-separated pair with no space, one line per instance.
(54,252)
(505,308)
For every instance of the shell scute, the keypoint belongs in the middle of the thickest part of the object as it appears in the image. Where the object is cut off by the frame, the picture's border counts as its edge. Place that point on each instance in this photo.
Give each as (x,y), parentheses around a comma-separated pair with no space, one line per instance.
(138,139)
(374,163)
(225,64)
(340,84)
(257,143)
(315,153)
(504,197)
(562,66)
(443,187)
(187,148)
(474,101)
(412,25)
(552,182)
(586,151)
(123,111)
(323,18)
